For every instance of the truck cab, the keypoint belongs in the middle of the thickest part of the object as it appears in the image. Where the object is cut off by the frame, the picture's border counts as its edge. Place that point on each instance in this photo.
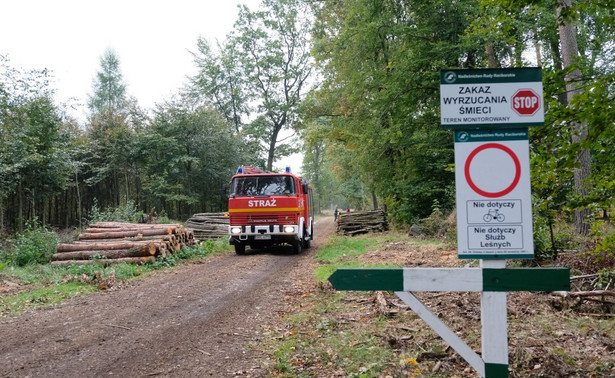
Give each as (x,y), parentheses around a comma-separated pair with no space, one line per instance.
(267,209)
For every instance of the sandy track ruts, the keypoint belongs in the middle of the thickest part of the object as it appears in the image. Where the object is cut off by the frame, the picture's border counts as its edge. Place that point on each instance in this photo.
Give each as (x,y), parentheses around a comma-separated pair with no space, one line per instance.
(193,321)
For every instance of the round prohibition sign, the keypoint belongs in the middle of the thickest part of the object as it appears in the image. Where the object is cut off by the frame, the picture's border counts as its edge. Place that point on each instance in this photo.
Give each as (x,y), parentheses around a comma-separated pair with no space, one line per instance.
(501,193)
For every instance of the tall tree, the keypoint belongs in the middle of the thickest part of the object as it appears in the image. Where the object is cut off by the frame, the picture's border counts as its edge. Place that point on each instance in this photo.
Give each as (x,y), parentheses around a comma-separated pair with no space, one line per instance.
(570,56)
(380,62)
(110,133)
(266,62)
(109,89)
(219,82)
(35,152)
(275,55)
(577,37)
(187,154)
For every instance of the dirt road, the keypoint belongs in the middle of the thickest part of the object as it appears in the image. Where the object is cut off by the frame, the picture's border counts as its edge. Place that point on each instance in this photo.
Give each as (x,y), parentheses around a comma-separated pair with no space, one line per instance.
(196,320)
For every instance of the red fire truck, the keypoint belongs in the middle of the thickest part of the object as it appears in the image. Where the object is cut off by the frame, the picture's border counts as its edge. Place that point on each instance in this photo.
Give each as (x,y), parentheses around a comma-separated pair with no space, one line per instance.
(268,209)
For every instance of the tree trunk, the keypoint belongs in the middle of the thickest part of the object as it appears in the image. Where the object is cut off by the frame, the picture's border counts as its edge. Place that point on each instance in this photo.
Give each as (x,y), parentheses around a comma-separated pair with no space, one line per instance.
(138,251)
(492,61)
(537,47)
(272,144)
(93,246)
(130,260)
(125,234)
(570,52)
(374,200)
(20,219)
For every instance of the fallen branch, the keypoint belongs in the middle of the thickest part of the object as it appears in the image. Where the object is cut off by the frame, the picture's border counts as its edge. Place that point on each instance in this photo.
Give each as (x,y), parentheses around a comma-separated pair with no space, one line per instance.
(133,260)
(583,294)
(584,276)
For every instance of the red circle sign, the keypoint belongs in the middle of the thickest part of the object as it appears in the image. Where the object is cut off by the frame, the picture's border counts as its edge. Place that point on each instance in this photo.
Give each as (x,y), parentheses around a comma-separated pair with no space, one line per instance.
(502,192)
(525,102)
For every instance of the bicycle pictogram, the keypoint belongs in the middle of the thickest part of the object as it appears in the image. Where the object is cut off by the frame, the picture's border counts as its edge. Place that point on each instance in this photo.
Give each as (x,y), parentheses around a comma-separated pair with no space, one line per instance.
(493,214)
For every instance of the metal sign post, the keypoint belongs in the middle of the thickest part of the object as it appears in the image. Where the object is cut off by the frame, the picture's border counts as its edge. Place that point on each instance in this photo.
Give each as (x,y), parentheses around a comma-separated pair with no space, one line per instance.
(492,280)
(490,111)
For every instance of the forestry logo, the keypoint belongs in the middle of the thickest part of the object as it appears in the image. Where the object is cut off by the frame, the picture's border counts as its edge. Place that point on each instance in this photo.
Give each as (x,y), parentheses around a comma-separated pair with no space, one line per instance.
(450,77)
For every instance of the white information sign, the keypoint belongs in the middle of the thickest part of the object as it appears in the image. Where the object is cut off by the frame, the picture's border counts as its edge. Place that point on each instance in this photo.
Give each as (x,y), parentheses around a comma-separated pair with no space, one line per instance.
(493,98)
(494,210)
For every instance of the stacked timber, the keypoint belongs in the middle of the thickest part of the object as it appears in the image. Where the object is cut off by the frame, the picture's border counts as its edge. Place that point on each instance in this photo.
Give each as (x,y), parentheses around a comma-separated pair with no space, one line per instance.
(361,222)
(209,225)
(114,242)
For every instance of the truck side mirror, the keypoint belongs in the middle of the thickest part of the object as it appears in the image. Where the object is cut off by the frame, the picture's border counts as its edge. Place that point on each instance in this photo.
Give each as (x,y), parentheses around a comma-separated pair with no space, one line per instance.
(224,190)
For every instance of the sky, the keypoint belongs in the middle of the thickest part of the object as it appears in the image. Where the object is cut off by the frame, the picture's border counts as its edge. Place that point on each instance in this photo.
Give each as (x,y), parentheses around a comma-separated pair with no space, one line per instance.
(152,39)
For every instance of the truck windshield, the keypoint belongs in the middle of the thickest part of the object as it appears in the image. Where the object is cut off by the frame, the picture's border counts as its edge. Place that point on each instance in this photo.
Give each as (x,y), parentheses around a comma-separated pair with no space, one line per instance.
(262,186)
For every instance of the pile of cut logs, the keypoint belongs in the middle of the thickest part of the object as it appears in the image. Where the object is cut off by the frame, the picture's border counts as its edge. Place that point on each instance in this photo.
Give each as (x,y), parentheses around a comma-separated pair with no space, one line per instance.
(361,222)
(209,225)
(113,242)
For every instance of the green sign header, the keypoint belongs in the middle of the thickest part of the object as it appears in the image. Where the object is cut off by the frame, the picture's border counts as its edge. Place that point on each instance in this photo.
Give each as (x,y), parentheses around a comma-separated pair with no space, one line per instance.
(491,75)
(490,135)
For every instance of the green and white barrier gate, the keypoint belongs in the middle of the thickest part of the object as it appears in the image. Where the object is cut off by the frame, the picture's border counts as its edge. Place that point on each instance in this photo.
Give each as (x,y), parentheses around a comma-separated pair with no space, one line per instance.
(492,280)
(494,210)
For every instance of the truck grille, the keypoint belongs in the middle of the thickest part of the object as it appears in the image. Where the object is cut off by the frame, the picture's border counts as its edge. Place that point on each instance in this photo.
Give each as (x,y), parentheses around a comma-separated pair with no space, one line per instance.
(248,219)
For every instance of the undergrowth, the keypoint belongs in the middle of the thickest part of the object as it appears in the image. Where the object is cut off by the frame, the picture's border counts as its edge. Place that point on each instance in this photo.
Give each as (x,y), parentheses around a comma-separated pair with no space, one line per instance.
(41,284)
(341,252)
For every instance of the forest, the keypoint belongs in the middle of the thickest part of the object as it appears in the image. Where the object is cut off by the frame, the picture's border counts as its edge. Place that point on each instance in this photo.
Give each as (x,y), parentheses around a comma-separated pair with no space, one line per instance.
(355,83)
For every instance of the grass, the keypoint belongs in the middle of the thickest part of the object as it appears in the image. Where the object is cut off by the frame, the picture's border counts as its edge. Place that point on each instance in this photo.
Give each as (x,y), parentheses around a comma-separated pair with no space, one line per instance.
(330,331)
(41,285)
(316,341)
(16,304)
(342,252)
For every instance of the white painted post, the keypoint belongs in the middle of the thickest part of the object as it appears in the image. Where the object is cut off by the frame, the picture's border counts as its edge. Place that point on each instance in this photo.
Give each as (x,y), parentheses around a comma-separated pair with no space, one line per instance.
(494,325)
(442,329)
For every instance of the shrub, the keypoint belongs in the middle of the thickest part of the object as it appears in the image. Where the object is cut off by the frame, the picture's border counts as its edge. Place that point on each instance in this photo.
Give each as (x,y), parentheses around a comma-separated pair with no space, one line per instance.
(36,245)
(128,213)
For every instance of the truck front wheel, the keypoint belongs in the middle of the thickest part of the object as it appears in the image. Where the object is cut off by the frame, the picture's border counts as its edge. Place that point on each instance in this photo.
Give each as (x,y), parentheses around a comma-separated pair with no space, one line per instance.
(297,247)
(307,243)
(240,249)
(307,239)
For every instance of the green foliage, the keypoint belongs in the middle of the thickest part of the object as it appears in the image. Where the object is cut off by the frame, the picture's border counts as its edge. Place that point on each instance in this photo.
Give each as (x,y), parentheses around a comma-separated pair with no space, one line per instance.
(127,213)
(36,245)
(606,279)
(201,250)
(543,246)
(36,151)
(604,233)
(434,223)
(377,108)
(340,247)
(109,88)
(41,297)
(187,154)
(266,62)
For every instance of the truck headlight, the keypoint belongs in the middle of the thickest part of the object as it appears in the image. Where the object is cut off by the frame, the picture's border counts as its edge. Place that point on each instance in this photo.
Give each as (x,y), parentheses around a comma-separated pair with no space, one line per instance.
(289,229)
(236,230)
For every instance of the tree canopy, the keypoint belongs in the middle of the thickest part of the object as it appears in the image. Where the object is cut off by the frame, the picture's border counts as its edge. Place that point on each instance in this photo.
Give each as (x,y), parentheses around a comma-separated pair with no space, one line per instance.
(264,66)
(355,81)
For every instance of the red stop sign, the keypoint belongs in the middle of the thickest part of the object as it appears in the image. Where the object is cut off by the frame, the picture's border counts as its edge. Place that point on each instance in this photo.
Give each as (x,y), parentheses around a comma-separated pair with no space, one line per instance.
(525,102)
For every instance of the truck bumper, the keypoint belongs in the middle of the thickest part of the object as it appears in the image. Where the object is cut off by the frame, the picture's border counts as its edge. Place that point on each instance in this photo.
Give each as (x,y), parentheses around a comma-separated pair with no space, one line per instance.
(264,235)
